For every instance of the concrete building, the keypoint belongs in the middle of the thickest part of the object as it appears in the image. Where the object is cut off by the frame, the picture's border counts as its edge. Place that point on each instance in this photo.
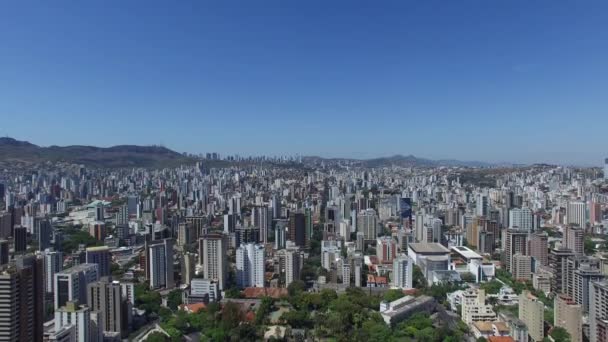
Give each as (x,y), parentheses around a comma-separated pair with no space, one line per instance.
(598,311)
(53,263)
(250,265)
(575,239)
(402,272)
(159,264)
(71,284)
(568,315)
(212,255)
(558,263)
(532,313)
(22,301)
(539,248)
(521,267)
(576,213)
(293,265)
(105,297)
(102,257)
(386,249)
(515,242)
(474,308)
(402,308)
(79,317)
(521,219)
(367,223)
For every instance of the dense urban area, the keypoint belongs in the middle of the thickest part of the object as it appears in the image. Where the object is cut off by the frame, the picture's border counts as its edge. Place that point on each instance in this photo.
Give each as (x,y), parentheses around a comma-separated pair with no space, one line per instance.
(302,249)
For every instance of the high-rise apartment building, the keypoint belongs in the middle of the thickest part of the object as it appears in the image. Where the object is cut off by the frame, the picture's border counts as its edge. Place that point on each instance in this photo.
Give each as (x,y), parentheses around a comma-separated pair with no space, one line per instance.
(515,242)
(293,265)
(22,300)
(539,248)
(71,284)
(532,313)
(402,272)
(78,317)
(386,249)
(105,297)
(576,212)
(521,267)
(568,315)
(521,218)
(261,217)
(101,256)
(212,251)
(367,223)
(575,237)
(53,263)
(159,264)
(250,265)
(558,263)
(598,311)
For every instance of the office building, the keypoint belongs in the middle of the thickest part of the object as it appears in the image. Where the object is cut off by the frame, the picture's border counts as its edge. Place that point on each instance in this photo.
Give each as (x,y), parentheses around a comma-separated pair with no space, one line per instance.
(186,234)
(71,284)
(20,239)
(582,279)
(212,255)
(532,313)
(297,229)
(576,213)
(159,264)
(202,291)
(100,256)
(402,272)
(4,252)
(6,225)
(105,297)
(250,265)
(44,233)
(568,315)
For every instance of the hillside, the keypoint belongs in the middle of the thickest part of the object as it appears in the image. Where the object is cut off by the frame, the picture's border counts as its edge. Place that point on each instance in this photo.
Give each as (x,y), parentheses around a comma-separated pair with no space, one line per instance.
(15,151)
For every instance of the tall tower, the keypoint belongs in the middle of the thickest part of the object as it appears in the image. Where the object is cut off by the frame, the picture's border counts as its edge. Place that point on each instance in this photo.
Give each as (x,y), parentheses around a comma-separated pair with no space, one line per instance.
(106,297)
(212,249)
(250,265)
(159,264)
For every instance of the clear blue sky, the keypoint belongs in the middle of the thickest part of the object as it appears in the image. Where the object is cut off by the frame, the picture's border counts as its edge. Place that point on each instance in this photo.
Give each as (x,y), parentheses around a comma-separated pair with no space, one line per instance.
(521,81)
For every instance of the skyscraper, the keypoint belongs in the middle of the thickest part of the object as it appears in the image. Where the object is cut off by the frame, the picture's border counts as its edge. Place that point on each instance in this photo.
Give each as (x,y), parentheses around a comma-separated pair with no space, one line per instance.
(22,301)
(576,213)
(79,317)
(293,265)
(515,242)
(568,315)
(250,265)
(367,223)
(20,239)
(44,233)
(159,264)
(297,229)
(575,239)
(539,247)
(402,272)
(212,251)
(71,284)
(598,311)
(261,218)
(53,263)
(532,312)
(100,256)
(106,297)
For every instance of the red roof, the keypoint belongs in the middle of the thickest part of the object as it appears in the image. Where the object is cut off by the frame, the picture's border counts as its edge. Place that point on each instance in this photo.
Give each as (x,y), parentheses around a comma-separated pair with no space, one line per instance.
(193,308)
(501,339)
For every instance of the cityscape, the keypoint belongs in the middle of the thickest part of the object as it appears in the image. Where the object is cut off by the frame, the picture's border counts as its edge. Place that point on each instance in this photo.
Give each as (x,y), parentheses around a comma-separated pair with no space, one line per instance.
(304,171)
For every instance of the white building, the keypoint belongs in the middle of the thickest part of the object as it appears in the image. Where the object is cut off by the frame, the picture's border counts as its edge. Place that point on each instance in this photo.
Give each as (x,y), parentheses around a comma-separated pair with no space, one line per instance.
(212,251)
(71,284)
(402,272)
(160,264)
(53,263)
(576,213)
(521,218)
(250,265)
(80,318)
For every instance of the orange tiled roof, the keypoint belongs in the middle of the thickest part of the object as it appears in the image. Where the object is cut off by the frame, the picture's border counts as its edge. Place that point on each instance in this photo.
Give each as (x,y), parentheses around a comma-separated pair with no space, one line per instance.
(259,292)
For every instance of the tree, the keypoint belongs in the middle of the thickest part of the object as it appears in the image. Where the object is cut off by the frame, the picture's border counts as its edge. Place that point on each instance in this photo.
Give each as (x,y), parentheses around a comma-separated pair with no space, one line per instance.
(589,246)
(392,295)
(491,287)
(296,287)
(560,334)
(157,337)
(174,299)
(467,277)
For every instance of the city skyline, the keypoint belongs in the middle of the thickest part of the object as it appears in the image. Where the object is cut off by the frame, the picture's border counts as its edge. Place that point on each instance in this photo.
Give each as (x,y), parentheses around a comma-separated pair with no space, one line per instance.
(519,82)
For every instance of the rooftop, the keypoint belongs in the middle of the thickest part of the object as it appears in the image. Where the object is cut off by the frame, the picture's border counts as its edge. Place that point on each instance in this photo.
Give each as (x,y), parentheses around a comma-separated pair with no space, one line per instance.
(428,248)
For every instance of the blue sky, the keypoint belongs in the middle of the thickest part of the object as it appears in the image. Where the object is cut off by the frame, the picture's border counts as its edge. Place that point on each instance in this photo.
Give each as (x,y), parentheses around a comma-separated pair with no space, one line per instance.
(521,81)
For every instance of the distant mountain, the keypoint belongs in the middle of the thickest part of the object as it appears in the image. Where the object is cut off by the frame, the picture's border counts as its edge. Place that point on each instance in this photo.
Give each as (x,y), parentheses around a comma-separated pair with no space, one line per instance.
(402,161)
(15,151)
